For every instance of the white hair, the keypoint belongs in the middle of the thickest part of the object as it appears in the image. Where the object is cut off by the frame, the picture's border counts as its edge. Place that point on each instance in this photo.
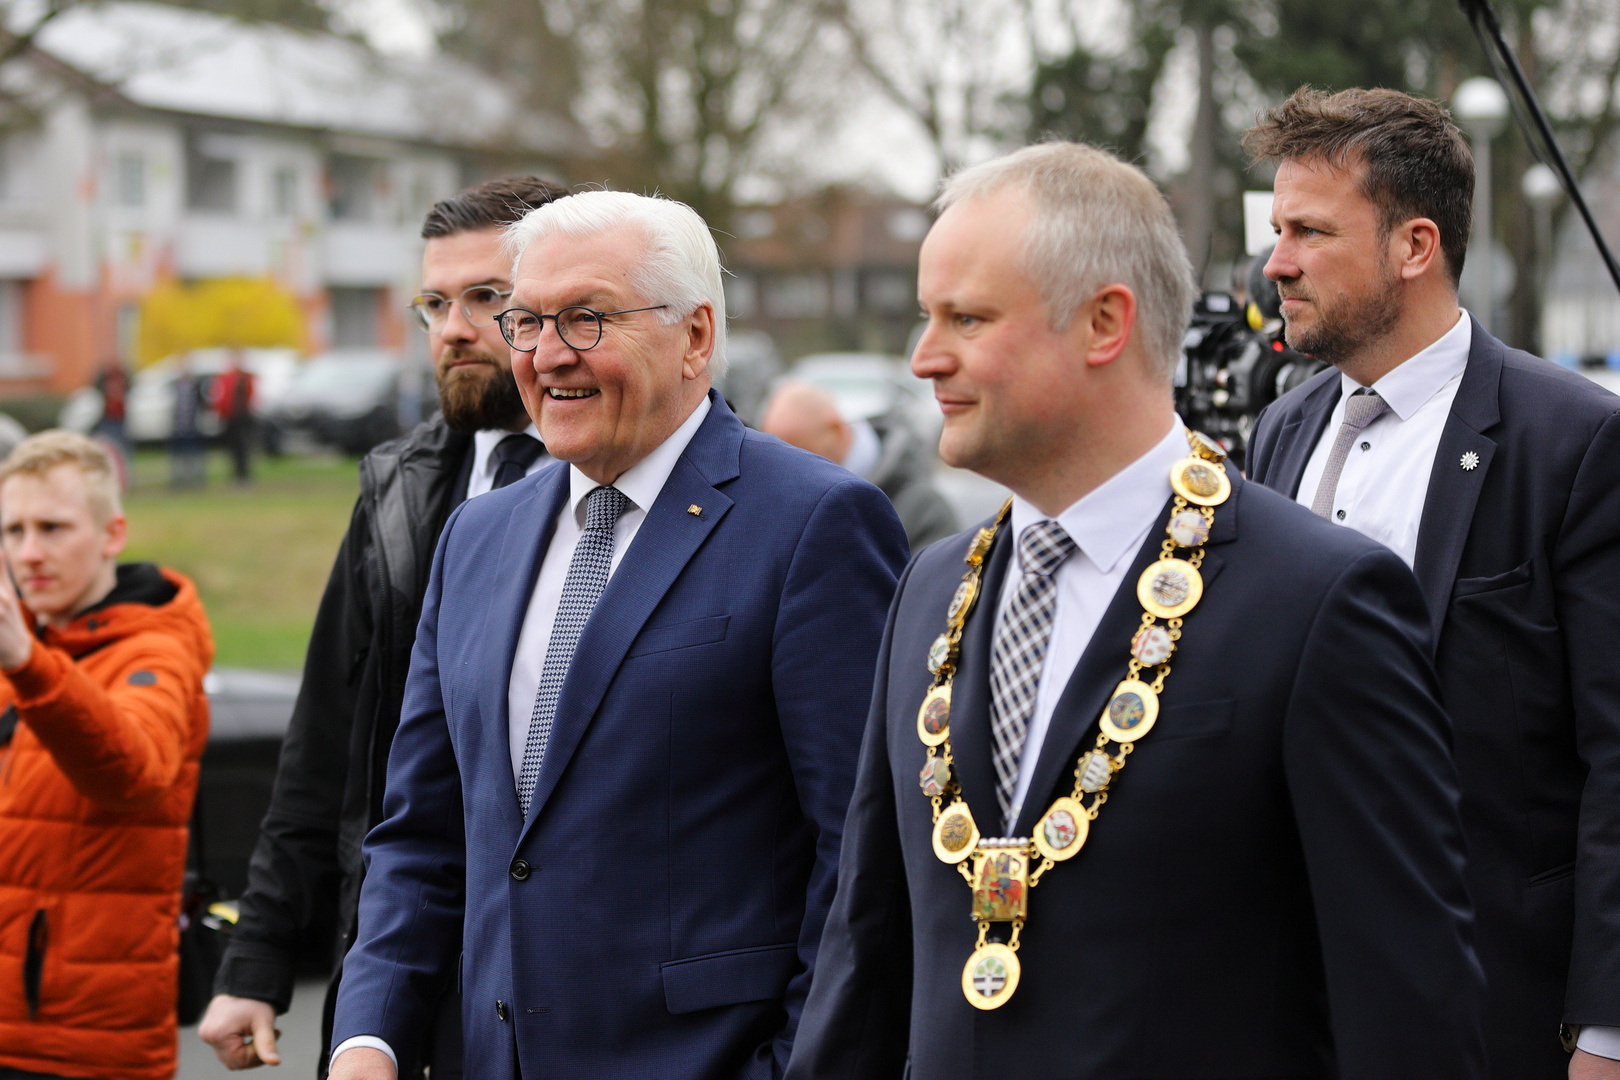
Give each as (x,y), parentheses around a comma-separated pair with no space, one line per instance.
(680,266)
(1097,221)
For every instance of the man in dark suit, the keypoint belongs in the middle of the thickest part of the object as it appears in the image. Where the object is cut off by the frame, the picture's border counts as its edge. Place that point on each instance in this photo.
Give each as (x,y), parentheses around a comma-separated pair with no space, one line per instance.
(635,701)
(1496,476)
(1273,887)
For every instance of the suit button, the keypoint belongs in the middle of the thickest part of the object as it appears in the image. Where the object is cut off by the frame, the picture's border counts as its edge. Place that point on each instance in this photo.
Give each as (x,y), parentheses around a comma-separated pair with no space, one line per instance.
(520,870)
(501,1012)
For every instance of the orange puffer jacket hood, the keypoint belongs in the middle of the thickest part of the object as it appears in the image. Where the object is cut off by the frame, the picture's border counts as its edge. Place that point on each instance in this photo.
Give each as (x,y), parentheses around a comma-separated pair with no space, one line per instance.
(108,724)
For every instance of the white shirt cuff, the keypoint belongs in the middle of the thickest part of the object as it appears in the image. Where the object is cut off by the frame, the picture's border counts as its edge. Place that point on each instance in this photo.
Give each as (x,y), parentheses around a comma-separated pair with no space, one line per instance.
(366,1040)
(1601,1041)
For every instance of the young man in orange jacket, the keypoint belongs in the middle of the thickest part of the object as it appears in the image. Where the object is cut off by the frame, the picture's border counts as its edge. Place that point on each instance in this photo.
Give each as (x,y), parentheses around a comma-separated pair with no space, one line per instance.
(102,723)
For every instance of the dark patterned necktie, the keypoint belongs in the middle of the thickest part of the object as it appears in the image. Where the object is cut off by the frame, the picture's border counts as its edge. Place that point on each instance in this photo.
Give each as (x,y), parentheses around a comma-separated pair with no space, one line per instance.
(1019,648)
(513,455)
(587,577)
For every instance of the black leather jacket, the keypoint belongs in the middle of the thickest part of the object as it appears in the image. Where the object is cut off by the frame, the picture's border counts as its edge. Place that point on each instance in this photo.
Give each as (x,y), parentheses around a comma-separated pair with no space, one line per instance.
(305,872)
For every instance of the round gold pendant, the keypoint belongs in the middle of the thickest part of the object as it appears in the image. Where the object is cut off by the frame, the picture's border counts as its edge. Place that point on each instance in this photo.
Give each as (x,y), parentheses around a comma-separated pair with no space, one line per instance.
(1170,588)
(1199,481)
(934,717)
(990,976)
(963,600)
(1130,713)
(1206,446)
(1062,830)
(955,834)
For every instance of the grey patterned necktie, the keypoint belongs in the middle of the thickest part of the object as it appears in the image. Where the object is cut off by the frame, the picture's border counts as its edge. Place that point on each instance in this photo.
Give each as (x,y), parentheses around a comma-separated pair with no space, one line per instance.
(1362,408)
(587,577)
(1018,649)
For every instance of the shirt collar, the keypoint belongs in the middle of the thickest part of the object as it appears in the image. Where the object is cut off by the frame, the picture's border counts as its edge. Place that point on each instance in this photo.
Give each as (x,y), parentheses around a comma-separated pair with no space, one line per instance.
(1417,380)
(641,482)
(485,442)
(1109,522)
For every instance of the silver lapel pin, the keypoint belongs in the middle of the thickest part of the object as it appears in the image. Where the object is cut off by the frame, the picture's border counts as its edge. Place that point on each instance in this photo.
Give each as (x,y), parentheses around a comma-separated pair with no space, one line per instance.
(1470,461)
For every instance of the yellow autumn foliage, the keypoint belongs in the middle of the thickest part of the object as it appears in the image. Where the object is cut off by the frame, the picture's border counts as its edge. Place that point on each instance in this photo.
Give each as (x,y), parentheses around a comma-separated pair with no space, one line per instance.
(245,312)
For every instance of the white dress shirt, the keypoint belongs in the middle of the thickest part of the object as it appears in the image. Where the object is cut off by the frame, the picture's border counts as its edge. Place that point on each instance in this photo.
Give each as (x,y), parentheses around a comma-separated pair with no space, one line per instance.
(484,464)
(1386,477)
(641,484)
(1109,526)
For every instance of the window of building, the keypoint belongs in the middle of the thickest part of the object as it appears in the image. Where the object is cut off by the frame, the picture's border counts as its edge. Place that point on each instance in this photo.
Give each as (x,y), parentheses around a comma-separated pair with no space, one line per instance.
(797,296)
(354,316)
(284,192)
(211,169)
(891,292)
(353,185)
(11,318)
(129,179)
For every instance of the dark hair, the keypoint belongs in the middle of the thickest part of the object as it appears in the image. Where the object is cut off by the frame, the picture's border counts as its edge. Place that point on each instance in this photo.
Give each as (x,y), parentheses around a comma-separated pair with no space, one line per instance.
(1414,162)
(489,205)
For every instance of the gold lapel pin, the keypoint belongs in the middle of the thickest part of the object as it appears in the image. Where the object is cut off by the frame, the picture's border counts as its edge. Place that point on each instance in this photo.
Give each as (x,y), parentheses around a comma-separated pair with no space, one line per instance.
(695,510)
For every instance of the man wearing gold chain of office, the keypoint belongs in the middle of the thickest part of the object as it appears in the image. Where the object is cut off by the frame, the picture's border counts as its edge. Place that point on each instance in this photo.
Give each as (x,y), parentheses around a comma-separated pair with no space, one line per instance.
(1156,783)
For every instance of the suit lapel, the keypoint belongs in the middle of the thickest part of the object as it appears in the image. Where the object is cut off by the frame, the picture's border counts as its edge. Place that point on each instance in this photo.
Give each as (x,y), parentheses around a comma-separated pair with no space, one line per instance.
(664,544)
(1105,659)
(528,534)
(970,691)
(1453,493)
(1300,434)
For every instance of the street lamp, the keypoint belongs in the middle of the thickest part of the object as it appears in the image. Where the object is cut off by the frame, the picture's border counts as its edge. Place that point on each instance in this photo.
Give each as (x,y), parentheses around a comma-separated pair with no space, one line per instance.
(1541,190)
(1481,105)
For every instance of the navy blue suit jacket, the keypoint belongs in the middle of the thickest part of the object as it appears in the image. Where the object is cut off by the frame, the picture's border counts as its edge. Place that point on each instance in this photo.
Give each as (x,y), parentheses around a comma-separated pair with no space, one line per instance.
(680,850)
(1519,558)
(1273,890)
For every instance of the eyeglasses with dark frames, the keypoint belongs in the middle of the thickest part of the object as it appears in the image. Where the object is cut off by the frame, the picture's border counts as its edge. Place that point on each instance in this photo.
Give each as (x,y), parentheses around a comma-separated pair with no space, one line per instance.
(480,304)
(580,328)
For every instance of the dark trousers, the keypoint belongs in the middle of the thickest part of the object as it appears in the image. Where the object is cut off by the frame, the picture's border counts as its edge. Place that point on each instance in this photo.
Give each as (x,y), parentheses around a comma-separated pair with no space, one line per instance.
(239,439)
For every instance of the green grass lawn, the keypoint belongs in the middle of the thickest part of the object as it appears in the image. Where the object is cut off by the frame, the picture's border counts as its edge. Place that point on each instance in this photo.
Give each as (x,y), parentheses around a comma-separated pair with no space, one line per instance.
(259,554)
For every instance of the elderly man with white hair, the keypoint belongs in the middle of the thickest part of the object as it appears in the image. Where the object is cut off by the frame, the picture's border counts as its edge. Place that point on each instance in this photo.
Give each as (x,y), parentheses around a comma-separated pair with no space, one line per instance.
(635,702)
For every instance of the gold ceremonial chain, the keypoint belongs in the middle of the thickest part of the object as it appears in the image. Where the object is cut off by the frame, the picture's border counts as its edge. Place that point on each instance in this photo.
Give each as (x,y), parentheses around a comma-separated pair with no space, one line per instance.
(998,869)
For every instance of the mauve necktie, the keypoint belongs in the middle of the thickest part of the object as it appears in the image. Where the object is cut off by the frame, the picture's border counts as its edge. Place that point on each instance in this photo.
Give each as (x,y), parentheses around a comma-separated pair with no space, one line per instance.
(513,455)
(1363,407)
(587,577)
(1019,648)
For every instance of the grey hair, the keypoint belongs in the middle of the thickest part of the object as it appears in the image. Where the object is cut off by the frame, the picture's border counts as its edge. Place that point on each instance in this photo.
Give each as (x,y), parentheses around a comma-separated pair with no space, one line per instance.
(680,266)
(1097,221)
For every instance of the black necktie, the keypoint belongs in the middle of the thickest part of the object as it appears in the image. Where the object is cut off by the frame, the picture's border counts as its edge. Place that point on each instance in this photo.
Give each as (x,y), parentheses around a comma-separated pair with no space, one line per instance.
(513,456)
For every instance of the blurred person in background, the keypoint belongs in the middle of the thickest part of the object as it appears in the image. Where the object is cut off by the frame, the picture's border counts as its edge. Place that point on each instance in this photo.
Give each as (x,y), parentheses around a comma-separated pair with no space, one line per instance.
(112,383)
(306,870)
(188,463)
(885,450)
(104,721)
(233,395)
(1495,475)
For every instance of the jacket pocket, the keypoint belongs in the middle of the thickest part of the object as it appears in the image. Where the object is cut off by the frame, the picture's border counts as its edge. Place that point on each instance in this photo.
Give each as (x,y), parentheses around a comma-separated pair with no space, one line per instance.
(728,978)
(681,635)
(1547,877)
(1475,586)
(34,961)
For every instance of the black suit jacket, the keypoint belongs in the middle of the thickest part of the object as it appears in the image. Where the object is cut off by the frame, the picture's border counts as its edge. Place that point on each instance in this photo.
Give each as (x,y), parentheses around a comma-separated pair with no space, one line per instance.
(1520,561)
(1273,889)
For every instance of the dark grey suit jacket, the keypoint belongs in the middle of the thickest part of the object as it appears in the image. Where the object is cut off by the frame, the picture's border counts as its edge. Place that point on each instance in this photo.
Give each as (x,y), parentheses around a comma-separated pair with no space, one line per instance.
(1519,558)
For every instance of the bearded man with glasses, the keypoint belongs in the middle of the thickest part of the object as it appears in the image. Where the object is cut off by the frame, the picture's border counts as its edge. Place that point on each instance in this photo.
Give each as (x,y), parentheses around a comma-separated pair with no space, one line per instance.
(305,872)
(616,797)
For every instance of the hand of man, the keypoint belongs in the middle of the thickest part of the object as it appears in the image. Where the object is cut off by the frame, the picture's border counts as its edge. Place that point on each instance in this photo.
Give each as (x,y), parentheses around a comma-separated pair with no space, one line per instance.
(1584,1066)
(242,1031)
(16,642)
(362,1063)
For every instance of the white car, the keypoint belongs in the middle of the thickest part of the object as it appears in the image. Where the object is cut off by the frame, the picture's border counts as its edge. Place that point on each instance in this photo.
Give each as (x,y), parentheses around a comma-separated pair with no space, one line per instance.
(149,414)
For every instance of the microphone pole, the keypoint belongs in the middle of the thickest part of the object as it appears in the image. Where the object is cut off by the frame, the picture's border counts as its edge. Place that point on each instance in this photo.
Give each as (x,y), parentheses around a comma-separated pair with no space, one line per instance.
(1482,16)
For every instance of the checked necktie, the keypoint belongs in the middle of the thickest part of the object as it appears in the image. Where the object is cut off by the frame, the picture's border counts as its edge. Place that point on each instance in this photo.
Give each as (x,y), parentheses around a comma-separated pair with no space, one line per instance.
(587,577)
(513,456)
(1019,648)
(1363,407)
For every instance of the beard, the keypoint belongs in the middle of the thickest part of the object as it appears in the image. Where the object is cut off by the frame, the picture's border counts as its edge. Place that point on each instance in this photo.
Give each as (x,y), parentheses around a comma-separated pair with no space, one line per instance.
(480,398)
(1344,330)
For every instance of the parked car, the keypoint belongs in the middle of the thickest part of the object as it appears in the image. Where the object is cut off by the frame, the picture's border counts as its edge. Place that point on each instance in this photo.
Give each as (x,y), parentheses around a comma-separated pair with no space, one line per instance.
(149,416)
(353,399)
(871,384)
